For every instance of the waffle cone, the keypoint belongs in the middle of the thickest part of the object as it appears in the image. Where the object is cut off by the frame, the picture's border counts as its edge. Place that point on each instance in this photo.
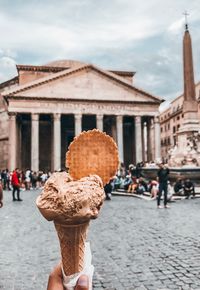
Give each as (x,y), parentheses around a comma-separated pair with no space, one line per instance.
(92,152)
(72,245)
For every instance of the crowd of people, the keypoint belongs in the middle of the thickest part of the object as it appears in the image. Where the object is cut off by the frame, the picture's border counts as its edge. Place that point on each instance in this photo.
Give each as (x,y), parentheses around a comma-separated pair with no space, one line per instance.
(28,179)
(132,181)
(21,180)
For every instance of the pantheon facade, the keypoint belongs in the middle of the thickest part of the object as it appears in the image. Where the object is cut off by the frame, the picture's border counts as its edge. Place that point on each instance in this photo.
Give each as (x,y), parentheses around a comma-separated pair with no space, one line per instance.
(44,107)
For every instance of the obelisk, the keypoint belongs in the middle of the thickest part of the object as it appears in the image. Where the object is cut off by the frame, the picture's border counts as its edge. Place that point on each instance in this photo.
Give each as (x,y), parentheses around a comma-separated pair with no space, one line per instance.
(184,153)
(190,105)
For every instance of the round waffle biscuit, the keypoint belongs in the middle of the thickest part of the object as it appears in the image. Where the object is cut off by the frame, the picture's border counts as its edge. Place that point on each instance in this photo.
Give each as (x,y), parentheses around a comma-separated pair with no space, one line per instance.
(92,152)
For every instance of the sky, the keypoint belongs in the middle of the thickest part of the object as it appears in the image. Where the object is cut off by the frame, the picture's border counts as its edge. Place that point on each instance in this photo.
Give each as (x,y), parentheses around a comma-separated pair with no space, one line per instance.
(141,36)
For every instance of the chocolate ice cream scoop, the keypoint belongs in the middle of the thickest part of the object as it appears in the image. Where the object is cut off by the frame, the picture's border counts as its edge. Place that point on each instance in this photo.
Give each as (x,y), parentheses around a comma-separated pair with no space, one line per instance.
(71,202)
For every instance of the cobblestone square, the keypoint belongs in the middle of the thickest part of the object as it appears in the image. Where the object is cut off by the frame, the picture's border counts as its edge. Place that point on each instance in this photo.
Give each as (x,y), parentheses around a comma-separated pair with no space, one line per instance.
(134,245)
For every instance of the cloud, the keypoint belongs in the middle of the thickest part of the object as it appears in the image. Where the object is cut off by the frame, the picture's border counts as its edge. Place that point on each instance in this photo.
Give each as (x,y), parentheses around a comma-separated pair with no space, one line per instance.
(116,34)
(8,68)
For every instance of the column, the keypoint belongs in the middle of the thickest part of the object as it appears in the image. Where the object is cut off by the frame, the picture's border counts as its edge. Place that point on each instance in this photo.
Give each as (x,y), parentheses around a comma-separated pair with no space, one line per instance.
(152,139)
(35,142)
(149,144)
(56,142)
(138,139)
(78,124)
(157,138)
(145,150)
(120,144)
(99,120)
(114,130)
(12,153)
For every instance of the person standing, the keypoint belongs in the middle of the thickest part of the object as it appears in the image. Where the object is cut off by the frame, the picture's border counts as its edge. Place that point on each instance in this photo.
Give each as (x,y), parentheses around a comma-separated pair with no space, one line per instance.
(1,196)
(16,184)
(163,174)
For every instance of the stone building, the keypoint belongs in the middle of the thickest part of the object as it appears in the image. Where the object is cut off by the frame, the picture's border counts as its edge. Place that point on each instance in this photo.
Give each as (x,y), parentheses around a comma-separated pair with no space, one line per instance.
(44,107)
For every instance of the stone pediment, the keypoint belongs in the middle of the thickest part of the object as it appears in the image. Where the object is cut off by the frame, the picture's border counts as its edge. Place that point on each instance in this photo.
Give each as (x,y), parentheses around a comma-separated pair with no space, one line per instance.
(85,82)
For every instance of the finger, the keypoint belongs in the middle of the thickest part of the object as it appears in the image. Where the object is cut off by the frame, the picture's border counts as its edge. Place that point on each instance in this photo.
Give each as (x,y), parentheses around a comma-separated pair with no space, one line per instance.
(82,283)
(56,279)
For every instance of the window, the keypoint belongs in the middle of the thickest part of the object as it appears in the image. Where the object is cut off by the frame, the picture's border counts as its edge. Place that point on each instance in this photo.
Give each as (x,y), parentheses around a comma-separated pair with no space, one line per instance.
(174,129)
(178,118)
(168,126)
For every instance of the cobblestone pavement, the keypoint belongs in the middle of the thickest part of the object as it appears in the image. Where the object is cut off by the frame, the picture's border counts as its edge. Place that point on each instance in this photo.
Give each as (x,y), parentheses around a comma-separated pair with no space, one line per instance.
(134,245)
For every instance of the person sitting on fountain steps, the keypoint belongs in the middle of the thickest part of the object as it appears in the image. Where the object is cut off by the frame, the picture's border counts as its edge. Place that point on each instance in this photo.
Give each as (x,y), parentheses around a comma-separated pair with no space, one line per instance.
(189,188)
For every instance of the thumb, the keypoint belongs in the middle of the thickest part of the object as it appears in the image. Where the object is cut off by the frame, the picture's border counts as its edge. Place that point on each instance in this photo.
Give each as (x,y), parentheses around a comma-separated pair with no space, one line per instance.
(82,283)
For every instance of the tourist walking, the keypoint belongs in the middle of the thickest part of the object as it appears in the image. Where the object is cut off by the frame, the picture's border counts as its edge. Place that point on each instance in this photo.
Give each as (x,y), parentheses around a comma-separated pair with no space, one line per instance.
(163,174)
(16,184)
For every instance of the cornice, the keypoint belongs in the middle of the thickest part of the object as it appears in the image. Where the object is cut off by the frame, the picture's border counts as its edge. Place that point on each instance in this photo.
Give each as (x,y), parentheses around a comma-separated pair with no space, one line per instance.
(50,99)
(41,68)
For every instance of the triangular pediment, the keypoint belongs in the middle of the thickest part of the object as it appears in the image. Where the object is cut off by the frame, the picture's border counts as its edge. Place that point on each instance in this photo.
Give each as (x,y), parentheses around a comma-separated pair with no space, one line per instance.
(86,82)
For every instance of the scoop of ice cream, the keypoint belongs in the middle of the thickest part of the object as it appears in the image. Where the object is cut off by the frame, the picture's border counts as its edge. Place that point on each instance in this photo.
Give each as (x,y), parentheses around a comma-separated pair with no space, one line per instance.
(71,202)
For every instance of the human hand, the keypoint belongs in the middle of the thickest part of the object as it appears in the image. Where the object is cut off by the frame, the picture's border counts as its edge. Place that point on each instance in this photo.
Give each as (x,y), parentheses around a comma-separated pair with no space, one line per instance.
(1,203)
(56,280)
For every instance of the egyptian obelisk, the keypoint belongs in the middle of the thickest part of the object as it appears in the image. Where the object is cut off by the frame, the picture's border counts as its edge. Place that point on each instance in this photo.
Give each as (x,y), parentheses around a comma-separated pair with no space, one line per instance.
(184,154)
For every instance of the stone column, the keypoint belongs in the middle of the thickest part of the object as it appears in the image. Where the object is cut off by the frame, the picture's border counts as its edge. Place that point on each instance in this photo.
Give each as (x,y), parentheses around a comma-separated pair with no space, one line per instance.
(114,130)
(152,139)
(35,142)
(120,144)
(148,144)
(138,139)
(12,152)
(99,120)
(144,141)
(78,124)
(56,142)
(157,138)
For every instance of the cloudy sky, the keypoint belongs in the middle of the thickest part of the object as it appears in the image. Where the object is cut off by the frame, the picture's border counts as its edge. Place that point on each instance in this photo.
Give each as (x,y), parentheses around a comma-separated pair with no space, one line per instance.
(141,36)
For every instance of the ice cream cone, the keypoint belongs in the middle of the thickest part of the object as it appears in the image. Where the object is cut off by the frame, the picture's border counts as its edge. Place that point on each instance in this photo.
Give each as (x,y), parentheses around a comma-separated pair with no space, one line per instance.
(72,245)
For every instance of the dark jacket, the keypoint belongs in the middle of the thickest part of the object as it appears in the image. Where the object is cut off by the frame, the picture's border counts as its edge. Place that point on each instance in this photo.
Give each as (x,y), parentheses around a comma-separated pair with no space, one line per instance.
(163,175)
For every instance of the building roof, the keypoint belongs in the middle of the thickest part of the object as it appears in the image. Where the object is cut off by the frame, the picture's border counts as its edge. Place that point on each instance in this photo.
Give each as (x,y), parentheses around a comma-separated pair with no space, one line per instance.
(75,67)
(60,65)
(10,82)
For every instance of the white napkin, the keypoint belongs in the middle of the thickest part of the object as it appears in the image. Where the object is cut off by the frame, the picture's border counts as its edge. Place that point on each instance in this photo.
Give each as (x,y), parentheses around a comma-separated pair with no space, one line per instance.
(69,282)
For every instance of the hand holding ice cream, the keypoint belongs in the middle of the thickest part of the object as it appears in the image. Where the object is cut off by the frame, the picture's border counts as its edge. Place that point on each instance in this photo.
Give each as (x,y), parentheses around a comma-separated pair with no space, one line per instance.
(71,202)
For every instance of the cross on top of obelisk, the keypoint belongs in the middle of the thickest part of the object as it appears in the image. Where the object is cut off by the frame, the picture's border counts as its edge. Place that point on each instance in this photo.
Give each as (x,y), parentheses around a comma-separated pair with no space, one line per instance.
(186,19)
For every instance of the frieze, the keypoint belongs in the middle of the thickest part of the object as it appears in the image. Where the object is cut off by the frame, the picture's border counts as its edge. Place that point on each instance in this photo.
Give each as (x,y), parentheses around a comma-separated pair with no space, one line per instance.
(82,108)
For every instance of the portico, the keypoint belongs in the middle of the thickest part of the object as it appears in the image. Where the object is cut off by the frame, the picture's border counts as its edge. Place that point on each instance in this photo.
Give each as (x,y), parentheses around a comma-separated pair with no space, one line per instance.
(46,114)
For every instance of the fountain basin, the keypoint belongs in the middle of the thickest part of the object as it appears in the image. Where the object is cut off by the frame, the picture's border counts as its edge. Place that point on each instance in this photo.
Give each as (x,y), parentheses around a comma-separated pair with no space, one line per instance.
(175,172)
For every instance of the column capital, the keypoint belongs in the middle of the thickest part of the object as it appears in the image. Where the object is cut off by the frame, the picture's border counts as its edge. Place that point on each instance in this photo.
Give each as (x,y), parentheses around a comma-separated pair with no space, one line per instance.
(78,116)
(137,119)
(156,119)
(56,116)
(12,114)
(99,117)
(152,122)
(35,117)
(119,118)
